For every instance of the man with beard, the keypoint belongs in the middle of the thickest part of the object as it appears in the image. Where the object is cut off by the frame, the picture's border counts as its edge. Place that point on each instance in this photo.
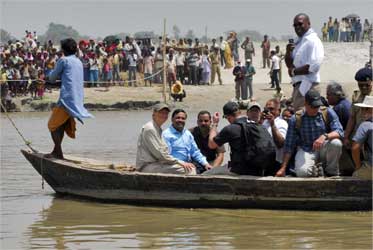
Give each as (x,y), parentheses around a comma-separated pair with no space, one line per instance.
(180,141)
(303,59)
(201,136)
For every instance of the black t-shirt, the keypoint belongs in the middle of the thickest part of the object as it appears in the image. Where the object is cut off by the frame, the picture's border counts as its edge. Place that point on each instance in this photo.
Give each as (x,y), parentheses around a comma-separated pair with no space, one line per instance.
(232,134)
(202,143)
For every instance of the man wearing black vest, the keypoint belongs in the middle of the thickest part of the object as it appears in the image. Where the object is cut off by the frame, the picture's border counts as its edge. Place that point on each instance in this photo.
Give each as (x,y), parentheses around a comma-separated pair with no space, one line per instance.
(201,136)
(252,148)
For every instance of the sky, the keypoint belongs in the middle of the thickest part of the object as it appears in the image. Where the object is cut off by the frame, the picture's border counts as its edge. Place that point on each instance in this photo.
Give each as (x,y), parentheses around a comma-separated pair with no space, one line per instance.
(101,18)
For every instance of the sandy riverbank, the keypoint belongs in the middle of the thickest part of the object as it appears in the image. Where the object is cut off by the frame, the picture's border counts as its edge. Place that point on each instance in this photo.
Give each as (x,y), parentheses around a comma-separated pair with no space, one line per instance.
(341,62)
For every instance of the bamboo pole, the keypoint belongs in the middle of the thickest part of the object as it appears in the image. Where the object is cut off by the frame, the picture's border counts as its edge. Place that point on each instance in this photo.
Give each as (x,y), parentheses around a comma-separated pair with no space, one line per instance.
(164,62)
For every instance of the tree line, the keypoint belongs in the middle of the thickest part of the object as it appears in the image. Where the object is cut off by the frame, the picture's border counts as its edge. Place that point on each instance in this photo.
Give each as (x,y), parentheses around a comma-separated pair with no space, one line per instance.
(56,32)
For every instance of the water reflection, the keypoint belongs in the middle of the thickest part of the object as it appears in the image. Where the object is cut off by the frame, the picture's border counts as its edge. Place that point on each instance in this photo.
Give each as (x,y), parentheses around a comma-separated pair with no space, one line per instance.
(71,224)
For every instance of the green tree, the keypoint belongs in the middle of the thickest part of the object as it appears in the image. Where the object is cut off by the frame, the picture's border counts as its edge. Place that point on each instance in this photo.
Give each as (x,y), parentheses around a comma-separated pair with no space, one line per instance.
(190,34)
(57,32)
(5,36)
(144,34)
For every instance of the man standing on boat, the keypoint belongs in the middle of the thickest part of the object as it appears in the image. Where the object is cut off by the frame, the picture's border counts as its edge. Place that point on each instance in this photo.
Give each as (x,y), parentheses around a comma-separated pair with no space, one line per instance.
(303,59)
(70,103)
(152,151)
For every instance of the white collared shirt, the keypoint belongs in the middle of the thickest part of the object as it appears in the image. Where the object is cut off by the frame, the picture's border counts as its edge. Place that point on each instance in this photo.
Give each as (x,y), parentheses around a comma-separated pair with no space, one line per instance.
(282,127)
(308,50)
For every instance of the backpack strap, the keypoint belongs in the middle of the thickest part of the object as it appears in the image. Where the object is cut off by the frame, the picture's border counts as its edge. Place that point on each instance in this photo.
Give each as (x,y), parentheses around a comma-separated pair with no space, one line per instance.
(243,126)
(298,119)
(325,117)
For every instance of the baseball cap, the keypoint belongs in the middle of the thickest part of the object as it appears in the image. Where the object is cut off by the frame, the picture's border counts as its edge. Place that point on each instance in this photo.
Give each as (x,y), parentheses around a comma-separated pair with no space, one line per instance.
(254,104)
(313,98)
(230,108)
(364,74)
(160,106)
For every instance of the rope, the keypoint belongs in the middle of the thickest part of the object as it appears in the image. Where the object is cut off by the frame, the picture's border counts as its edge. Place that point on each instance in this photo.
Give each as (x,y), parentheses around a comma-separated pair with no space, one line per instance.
(42,172)
(121,81)
(27,143)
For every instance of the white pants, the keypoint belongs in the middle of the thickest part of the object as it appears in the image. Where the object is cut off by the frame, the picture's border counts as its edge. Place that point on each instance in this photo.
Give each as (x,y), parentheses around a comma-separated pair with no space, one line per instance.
(157,167)
(329,155)
(221,170)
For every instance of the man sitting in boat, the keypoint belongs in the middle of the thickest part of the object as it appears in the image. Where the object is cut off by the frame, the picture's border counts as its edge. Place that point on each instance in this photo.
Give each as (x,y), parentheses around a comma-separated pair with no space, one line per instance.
(181,143)
(201,136)
(152,152)
(315,133)
(252,148)
(70,103)
(362,142)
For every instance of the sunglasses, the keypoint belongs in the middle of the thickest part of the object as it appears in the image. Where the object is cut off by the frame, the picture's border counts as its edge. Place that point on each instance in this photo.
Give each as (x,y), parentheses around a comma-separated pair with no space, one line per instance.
(297,24)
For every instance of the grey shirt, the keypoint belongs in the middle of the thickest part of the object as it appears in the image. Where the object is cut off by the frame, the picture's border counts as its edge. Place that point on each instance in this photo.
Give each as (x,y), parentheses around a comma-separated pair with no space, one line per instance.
(364,136)
(151,147)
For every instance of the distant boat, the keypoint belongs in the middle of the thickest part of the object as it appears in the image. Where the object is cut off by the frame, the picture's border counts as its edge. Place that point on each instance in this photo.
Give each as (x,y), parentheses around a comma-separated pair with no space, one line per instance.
(106,182)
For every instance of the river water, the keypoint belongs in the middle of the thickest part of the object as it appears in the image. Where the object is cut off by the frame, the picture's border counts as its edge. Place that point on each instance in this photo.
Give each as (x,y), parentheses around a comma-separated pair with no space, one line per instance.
(34,218)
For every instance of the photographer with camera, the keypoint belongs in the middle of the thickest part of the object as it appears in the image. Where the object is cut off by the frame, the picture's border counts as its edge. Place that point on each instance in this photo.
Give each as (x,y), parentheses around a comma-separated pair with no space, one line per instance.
(277,128)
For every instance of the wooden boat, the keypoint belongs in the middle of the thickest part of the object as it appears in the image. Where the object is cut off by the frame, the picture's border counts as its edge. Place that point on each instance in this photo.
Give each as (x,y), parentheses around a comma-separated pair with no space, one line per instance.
(106,182)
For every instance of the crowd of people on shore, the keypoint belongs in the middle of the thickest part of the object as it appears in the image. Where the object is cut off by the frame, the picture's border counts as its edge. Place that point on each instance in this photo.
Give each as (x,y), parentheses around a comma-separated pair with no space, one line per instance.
(347,29)
(26,64)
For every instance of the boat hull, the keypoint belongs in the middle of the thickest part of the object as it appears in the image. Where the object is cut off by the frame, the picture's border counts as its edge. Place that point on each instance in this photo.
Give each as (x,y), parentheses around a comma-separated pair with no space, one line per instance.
(342,193)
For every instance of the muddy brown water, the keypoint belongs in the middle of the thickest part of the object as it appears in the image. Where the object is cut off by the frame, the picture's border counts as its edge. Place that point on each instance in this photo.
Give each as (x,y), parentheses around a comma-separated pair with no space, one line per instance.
(33,218)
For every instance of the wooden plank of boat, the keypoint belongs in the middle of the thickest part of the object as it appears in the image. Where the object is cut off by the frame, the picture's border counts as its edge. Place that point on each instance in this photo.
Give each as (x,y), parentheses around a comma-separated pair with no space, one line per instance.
(104,182)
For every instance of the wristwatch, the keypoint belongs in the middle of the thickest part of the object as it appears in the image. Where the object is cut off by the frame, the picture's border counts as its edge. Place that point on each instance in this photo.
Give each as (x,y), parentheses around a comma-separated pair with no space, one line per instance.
(326,136)
(293,72)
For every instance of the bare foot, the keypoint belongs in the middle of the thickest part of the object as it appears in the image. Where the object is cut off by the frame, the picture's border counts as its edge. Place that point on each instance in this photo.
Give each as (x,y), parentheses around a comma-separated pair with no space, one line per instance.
(54,155)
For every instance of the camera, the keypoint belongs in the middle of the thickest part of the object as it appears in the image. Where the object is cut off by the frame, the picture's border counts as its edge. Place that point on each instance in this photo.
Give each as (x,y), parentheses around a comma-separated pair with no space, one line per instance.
(265,111)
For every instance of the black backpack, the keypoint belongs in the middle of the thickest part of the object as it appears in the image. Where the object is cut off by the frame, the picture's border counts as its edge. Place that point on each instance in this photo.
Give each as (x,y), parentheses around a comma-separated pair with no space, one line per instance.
(260,150)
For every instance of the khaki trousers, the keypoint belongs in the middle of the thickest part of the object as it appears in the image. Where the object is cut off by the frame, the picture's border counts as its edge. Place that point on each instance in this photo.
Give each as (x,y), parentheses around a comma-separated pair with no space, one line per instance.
(298,98)
(215,69)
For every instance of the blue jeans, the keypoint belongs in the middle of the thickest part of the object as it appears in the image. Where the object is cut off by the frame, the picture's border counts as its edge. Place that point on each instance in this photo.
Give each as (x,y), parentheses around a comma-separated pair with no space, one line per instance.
(132,75)
(93,76)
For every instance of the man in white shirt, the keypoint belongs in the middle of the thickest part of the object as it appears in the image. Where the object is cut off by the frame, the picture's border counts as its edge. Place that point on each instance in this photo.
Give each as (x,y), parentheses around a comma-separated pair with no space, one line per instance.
(180,60)
(277,128)
(275,69)
(222,49)
(304,59)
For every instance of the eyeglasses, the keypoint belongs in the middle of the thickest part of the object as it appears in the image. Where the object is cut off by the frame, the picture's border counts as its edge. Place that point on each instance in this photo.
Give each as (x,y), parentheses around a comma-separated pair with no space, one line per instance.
(297,24)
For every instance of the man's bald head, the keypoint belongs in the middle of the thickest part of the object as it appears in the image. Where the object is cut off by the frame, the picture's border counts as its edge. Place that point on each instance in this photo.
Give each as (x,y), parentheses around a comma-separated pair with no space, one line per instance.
(301,24)
(304,16)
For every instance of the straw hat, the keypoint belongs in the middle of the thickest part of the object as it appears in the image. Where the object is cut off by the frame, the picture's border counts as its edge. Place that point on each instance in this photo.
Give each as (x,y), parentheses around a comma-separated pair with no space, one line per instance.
(367,103)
